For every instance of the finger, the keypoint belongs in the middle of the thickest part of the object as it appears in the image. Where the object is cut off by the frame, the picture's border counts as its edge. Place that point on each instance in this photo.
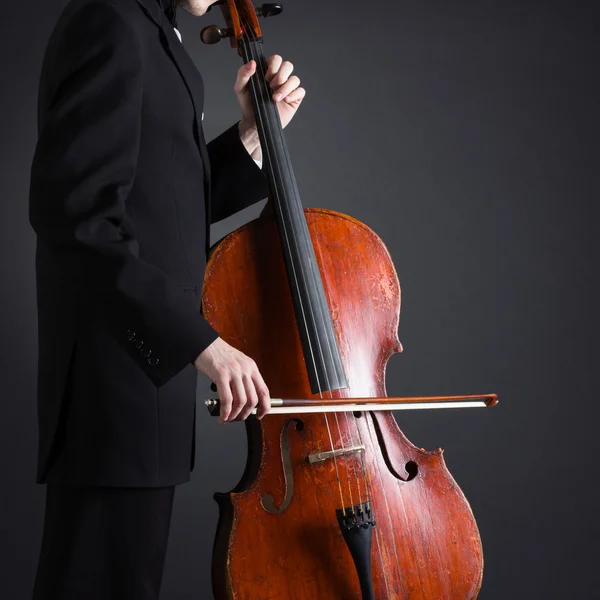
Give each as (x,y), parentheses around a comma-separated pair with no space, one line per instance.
(243,77)
(264,398)
(282,75)
(251,398)
(225,400)
(296,96)
(239,398)
(273,64)
(291,85)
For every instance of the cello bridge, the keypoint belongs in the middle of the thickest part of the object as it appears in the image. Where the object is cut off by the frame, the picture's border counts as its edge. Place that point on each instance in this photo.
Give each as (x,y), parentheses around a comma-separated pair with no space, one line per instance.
(323,456)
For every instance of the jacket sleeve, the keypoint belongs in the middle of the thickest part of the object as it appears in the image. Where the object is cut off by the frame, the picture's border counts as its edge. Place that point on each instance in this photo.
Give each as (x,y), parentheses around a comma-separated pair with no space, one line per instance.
(237,181)
(83,169)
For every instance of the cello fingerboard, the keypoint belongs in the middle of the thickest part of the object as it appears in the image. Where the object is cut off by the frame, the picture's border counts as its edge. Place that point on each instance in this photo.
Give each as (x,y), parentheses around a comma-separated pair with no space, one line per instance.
(317,335)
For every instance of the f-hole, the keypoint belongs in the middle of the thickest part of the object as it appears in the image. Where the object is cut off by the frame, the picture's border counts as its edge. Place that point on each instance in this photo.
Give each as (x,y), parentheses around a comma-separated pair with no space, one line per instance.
(267,501)
(412,468)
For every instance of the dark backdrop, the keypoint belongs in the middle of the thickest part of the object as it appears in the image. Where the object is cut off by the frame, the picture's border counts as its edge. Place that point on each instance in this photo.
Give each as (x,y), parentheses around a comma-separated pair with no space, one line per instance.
(465,133)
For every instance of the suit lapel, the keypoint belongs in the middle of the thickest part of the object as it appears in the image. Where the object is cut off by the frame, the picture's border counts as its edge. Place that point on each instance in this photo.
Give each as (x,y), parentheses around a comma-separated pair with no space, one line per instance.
(152,9)
(191,77)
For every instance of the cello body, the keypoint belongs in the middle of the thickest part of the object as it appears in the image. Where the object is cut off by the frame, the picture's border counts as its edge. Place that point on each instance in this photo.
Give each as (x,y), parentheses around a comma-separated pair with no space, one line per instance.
(332,505)
(280,531)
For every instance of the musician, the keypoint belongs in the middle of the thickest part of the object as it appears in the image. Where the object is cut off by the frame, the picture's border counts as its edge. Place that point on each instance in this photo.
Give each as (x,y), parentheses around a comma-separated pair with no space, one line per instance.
(123,191)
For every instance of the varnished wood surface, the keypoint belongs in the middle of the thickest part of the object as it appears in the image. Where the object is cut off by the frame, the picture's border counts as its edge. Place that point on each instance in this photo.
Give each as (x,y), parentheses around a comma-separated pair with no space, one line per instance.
(426,544)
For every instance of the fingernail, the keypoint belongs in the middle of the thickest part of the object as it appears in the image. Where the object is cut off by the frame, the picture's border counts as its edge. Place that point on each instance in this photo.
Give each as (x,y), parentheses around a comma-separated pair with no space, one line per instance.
(278,97)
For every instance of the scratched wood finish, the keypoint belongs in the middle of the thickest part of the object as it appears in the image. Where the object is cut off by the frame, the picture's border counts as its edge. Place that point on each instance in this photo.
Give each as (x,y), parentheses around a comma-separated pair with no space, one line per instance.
(426,544)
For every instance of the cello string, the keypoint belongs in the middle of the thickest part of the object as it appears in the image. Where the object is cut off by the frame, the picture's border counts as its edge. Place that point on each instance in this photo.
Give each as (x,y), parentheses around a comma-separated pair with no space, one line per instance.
(339,428)
(378,541)
(262,82)
(324,310)
(267,92)
(379,551)
(376,530)
(349,460)
(367,482)
(368,485)
(312,272)
(324,314)
(349,428)
(272,162)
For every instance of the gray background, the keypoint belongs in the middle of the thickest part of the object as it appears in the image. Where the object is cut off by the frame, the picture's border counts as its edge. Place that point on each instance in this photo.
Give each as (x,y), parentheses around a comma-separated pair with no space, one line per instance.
(464,133)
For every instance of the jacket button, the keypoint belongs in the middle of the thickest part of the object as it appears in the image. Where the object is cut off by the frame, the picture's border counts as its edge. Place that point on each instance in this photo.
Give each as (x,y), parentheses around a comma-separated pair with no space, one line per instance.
(130,335)
(146,353)
(153,361)
(139,344)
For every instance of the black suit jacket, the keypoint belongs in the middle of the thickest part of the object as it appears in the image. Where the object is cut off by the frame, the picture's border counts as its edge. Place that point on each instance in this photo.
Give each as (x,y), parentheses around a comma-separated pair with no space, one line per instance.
(120,184)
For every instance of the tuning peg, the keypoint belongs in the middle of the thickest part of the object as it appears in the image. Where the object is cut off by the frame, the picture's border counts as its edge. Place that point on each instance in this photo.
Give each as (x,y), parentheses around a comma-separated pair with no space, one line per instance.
(214,34)
(269,10)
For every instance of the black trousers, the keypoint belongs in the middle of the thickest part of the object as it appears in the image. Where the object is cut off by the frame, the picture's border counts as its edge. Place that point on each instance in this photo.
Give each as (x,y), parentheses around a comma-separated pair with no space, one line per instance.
(102,543)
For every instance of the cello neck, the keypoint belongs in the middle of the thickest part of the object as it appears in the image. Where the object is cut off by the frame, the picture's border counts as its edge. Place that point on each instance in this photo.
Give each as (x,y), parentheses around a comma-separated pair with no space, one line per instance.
(319,343)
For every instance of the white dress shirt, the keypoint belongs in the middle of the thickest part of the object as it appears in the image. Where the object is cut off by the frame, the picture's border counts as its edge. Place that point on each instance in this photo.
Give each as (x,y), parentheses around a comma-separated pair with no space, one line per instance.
(258,162)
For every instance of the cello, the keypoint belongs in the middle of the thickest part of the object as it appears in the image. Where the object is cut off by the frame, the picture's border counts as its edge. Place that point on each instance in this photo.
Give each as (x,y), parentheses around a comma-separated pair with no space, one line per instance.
(334,503)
